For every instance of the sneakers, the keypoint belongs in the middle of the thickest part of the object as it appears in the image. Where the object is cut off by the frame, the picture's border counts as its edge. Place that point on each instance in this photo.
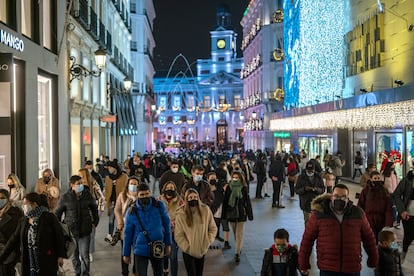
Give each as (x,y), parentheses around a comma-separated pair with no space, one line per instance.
(90,257)
(266,195)
(280,206)
(273,205)
(237,258)
(292,198)
(219,239)
(108,238)
(226,245)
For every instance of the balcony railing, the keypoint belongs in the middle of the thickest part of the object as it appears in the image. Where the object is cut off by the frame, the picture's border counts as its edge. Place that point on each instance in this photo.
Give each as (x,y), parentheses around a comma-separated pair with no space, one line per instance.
(80,12)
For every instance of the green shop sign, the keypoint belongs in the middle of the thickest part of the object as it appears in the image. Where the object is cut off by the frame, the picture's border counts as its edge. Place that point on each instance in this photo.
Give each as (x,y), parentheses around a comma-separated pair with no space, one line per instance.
(281,134)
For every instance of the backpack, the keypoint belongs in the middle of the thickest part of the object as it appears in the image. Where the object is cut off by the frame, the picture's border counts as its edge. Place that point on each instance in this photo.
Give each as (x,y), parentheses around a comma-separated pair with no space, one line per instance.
(69,240)
(332,164)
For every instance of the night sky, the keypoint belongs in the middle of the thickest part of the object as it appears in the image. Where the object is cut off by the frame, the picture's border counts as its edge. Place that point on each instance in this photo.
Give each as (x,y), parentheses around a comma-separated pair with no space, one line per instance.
(183,26)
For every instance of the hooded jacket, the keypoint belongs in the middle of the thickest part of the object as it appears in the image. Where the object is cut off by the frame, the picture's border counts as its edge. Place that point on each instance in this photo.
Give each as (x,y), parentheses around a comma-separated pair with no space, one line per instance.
(402,193)
(338,245)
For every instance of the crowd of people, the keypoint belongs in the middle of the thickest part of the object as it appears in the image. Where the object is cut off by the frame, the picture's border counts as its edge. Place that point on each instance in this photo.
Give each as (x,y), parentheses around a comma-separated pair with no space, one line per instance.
(159,204)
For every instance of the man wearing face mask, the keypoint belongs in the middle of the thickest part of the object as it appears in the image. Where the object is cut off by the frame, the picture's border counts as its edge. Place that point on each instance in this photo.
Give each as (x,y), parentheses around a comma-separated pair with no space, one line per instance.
(49,185)
(338,227)
(147,219)
(173,174)
(198,184)
(81,215)
(308,186)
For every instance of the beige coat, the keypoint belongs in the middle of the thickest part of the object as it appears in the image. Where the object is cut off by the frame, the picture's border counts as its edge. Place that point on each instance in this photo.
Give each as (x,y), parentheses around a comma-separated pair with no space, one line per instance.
(51,190)
(195,240)
(172,207)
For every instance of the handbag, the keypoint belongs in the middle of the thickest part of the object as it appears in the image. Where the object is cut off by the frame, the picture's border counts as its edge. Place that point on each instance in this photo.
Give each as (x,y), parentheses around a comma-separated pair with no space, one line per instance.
(156,247)
(233,213)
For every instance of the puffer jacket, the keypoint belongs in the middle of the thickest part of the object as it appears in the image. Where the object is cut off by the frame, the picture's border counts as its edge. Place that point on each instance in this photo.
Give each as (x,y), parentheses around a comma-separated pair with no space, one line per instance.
(338,244)
(306,197)
(402,193)
(291,261)
(156,222)
(80,212)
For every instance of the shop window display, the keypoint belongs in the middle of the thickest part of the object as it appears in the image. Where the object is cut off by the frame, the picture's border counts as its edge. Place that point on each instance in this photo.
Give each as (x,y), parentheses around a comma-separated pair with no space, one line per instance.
(389,147)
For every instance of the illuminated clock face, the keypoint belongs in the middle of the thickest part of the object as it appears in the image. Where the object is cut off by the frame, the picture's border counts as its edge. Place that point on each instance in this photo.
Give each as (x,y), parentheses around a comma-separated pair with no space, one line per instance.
(221,43)
(278,16)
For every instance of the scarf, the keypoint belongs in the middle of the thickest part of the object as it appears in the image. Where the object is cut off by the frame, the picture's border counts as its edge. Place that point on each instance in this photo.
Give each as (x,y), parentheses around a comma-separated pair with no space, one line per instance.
(32,239)
(236,187)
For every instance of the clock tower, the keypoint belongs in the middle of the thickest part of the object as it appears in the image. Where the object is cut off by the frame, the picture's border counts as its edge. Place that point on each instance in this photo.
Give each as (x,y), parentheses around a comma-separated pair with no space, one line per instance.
(223,38)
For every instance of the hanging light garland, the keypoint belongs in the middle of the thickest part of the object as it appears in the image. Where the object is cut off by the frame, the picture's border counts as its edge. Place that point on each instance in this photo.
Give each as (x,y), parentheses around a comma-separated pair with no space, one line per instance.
(379,116)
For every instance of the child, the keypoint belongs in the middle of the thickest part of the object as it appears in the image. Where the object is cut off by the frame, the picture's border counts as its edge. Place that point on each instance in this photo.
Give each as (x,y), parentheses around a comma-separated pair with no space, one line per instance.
(281,259)
(389,263)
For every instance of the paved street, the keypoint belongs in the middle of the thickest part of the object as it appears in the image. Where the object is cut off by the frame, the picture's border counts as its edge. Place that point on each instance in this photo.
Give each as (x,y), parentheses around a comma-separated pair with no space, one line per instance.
(258,235)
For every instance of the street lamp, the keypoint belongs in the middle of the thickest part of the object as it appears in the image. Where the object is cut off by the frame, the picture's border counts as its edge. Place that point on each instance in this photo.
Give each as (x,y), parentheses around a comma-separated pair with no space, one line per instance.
(254,114)
(127,84)
(78,70)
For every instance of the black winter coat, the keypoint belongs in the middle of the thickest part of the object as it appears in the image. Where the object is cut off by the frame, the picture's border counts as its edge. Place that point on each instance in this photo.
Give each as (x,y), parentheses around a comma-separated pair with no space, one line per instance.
(80,212)
(306,197)
(291,262)
(8,225)
(50,241)
(244,205)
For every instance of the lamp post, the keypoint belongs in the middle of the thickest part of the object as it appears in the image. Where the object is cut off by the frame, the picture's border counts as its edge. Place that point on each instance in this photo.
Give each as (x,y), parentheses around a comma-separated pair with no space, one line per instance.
(77,71)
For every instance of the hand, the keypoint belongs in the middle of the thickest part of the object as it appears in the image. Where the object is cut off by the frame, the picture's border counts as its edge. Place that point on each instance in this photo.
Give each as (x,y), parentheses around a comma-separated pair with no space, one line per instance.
(405,216)
(126,259)
(304,272)
(309,188)
(274,178)
(60,261)
(167,250)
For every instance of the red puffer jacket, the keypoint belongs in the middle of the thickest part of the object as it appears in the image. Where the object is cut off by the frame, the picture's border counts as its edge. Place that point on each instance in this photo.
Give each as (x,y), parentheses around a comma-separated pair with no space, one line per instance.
(338,244)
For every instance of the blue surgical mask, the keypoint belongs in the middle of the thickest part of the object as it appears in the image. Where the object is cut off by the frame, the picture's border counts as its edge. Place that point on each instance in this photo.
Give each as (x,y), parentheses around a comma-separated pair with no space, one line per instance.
(80,188)
(3,202)
(394,245)
(198,178)
(132,188)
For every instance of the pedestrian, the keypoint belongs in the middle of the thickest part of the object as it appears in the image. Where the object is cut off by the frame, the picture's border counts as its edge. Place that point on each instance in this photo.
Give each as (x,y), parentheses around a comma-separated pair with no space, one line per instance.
(237,208)
(292,172)
(9,220)
(125,200)
(375,201)
(389,261)
(329,180)
(308,186)
(115,183)
(390,183)
(336,163)
(16,190)
(173,174)
(195,230)
(172,200)
(148,232)
(326,158)
(39,238)
(200,185)
(404,200)
(260,170)
(281,259)
(81,216)
(49,185)
(94,174)
(277,175)
(138,169)
(338,227)
(247,170)
(365,176)
(358,164)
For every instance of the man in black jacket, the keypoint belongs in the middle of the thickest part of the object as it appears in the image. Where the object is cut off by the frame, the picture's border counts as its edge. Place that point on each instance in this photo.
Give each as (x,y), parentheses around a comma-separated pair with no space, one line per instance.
(277,174)
(81,215)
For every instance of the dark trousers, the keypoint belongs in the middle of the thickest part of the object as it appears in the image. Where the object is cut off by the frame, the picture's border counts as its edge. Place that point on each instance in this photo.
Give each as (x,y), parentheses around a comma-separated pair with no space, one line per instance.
(260,182)
(292,188)
(276,192)
(194,266)
(408,233)
(8,269)
(141,264)
(124,266)
(355,172)
(330,273)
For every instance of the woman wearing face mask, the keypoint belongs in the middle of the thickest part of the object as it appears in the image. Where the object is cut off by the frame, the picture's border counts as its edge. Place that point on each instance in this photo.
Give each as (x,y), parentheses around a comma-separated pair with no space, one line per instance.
(9,219)
(39,237)
(236,196)
(172,201)
(49,185)
(390,183)
(376,203)
(16,190)
(195,230)
(125,200)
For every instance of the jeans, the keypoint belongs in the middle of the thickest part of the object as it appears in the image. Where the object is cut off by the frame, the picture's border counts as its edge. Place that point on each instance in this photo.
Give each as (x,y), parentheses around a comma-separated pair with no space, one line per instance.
(330,273)
(92,242)
(153,185)
(141,265)
(194,266)
(172,259)
(111,219)
(81,265)
(277,192)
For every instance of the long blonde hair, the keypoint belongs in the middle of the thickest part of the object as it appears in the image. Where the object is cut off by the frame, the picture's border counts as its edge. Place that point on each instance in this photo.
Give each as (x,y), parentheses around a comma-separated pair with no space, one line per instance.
(187,208)
(84,173)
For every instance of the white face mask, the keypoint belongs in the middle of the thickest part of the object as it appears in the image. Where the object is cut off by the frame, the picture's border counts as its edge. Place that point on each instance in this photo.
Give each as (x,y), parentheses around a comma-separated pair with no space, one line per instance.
(174,170)
(26,209)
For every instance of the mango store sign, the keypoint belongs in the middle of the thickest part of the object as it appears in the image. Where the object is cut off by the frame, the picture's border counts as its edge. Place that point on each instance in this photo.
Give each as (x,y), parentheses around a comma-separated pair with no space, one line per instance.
(11,40)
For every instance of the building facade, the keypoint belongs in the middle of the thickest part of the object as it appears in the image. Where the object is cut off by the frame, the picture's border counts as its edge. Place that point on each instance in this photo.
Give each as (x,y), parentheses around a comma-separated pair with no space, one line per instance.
(263,72)
(34,108)
(203,110)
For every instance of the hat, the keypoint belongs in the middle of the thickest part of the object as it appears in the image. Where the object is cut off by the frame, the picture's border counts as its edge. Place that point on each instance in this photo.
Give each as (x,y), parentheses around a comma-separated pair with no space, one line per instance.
(112,164)
(310,166)
(89,162)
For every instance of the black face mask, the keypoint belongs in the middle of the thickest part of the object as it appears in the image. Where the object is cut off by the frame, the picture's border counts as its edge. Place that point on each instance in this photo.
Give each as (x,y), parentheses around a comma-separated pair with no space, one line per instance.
(170,193)
(11,186)
(144,201)
(46,179)
(377,183)
(339,205)
(193,202)
(213,182)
